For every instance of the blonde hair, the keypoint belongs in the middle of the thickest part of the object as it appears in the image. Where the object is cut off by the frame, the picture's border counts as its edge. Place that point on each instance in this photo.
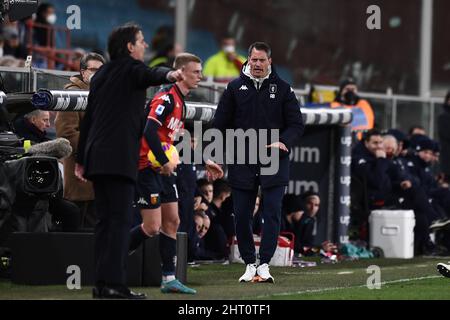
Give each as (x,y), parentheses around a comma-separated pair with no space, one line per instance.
(184,58)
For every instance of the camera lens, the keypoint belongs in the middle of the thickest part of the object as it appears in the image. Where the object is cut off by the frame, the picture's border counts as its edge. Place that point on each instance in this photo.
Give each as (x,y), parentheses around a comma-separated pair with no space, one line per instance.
(40,174)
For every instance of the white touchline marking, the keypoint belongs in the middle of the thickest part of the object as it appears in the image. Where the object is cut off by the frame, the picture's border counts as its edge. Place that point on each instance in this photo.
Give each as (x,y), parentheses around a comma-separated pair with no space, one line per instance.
(340,288)
(346,272)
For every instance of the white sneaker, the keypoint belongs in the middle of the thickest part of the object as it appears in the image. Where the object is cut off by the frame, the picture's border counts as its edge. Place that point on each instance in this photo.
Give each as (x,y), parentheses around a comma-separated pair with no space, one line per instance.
(250,272)
(444,269)
(263,273)
(440,223)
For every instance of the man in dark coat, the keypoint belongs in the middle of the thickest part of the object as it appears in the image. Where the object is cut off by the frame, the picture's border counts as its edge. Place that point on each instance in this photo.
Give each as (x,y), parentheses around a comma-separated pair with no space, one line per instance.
(67,125)
(444,137)
(108,151)
(257,100)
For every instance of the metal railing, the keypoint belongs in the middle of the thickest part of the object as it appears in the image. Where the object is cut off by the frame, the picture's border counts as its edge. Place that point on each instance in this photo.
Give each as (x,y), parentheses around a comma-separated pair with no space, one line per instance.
(391,110)
(50,53)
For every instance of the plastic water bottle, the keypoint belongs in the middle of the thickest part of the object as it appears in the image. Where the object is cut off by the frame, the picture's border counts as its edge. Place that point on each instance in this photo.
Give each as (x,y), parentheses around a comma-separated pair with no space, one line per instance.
(26,145)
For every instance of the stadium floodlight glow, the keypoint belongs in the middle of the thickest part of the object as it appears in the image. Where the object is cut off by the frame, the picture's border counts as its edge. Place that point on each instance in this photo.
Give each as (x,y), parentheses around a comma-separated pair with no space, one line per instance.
(18,9)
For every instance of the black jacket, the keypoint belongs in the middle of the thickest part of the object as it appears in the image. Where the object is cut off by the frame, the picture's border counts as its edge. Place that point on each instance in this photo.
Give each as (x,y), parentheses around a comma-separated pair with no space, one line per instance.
(28,131)
(381,174)
(421,173)
(272,106)
(444,138)
(114,121)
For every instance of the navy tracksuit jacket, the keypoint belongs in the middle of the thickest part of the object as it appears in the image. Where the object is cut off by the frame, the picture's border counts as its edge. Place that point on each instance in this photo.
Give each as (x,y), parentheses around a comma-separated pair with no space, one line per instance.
(272,106)
(269,105)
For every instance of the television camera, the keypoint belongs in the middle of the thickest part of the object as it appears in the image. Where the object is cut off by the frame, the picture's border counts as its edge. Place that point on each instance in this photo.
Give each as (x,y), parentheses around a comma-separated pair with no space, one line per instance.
(25,174)
(18,9)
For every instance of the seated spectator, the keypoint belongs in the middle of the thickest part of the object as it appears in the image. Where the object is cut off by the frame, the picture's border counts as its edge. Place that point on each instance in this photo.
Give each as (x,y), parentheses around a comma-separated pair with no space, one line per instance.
(402,141)
(390,187)
(300,218)
(416,130)
(194,236)
(206,189)
(311,204)
(226,64)
(293,211)
(33,125)
(419,167)
(196,248)
(222,192)
(221,225)
(198,202)
(65,214)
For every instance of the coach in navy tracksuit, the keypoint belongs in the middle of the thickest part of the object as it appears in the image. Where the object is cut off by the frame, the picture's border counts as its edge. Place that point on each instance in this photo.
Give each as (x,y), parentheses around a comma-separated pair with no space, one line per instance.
(259,99)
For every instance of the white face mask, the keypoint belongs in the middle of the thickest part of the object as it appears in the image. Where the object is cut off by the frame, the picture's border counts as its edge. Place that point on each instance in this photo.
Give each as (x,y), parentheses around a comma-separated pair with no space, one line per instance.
(228,49)
(90,78)
(1,52)
(51,18)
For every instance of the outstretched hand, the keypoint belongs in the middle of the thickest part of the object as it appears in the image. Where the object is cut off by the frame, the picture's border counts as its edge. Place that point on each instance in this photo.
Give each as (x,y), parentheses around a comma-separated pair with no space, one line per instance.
(175,76)
(168,169)
(213,171)
(279,145)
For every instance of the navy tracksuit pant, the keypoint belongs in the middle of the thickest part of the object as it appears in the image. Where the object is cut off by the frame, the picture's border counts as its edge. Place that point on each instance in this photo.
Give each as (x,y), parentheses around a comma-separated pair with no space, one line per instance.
(244,204)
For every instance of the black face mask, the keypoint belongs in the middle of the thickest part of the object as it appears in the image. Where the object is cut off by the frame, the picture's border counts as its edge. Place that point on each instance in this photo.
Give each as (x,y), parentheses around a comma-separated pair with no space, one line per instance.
(350,98)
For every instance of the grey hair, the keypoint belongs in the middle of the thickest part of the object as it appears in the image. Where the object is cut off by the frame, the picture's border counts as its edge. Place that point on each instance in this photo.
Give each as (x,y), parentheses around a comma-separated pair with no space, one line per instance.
(88,57)
(390,137)
(34,113)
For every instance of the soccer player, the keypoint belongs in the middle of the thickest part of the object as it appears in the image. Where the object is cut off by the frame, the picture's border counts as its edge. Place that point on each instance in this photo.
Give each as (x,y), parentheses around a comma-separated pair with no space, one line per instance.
(157,196)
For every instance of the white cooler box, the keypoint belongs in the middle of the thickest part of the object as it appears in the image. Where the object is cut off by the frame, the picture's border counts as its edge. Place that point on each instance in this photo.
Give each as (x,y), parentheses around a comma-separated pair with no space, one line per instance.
(393,231)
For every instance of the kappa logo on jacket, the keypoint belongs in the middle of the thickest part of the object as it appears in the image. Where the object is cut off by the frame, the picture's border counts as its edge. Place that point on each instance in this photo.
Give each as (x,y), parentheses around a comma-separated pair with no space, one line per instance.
(243,87)
(165,98)
(142,201)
